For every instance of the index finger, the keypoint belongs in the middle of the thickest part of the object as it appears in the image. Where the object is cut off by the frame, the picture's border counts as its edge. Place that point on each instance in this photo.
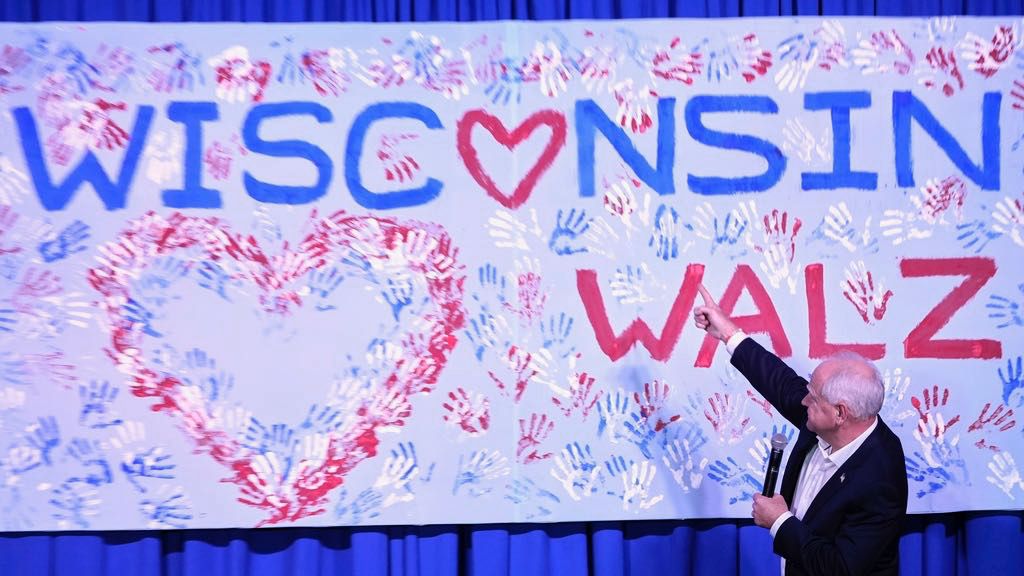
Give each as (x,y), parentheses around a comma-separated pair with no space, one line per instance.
(708,300)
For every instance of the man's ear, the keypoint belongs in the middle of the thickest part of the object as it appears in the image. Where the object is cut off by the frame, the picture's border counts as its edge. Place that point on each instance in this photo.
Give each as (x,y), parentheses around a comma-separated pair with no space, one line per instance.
(842,413)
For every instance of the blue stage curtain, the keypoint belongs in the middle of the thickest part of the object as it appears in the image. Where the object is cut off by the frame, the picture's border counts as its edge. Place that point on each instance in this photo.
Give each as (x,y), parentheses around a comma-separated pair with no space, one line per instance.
(986,544)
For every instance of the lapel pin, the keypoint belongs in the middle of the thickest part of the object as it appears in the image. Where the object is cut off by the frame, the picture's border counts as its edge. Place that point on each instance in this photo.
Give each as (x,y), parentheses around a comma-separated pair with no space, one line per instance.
(842,478)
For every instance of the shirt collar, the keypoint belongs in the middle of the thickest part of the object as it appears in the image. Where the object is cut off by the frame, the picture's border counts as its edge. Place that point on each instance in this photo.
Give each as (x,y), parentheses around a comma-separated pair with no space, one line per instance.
(839,457)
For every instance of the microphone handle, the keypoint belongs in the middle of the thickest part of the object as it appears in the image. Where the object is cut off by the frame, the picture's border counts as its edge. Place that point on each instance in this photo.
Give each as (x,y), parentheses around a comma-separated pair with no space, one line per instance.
(771,475)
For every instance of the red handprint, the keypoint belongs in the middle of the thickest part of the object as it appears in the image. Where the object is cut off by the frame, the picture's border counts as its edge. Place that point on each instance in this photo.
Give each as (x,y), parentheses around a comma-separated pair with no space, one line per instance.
(988,57)
(944,71)
(531,436)
(653,399)
(999,418)
(677,64)
(324,67)
(35,284)
(938,196)
(97,123)
(217,158)
(390,408)
(932,401)
(780,231)
(397,164)
(531,300)
(519,362)
(861,291)
(473,415)
(727,418)
(579,397)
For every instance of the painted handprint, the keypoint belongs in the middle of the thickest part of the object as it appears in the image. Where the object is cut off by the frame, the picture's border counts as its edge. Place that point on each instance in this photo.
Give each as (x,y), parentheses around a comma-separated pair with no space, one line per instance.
(870,300)
(532,434)
(728,418)
(476,472)
(930,402)
(636,486)
(577,471)
(1004,474)
(680,458)
(894,411)
(581,396)
(470,413)
(1013,382)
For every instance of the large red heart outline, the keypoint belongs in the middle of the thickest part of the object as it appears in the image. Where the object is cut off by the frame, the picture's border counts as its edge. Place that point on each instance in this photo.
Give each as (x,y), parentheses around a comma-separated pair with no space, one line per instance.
(550,118)
(425,346)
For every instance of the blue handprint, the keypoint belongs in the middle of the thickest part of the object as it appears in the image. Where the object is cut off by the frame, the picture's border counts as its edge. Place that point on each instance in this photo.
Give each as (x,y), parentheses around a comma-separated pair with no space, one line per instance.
(96,400)
(397,293)
(567,232)
(137,313)
(615,468)
(483,332)
(728,473)
(556,332)
(727,232)
(665,237)
(366,505)
(975,234)
(75,501)
(1007,311)
(611,409)
(44,436)
(214,278)
(289,71)
(935,478)
(69,241)
(173,511)
(161,275)
(151,463)
(492,280)
(79,69)
(507,85)
(525,492)
(640,433)
(323,283)
(1013,383)
(97,470)
(279,438)
(322,419)
(480,467)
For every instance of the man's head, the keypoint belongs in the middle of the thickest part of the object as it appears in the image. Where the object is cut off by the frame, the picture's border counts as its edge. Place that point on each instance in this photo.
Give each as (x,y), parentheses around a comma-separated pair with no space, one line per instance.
(845,392)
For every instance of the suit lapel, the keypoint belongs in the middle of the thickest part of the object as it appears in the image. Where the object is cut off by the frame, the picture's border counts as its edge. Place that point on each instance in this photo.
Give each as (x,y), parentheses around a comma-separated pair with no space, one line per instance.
(846,474)
(795,464)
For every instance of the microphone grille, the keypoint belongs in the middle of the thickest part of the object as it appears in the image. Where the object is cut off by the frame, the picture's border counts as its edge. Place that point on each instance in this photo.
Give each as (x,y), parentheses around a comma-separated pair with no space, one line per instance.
(779,442)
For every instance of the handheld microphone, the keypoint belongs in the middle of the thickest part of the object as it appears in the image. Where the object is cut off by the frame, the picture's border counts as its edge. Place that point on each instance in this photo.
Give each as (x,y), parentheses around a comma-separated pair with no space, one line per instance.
(771,475)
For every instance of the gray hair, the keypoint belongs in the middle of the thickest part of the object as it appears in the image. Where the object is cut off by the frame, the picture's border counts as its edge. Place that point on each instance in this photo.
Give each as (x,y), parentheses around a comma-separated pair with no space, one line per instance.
(855,382)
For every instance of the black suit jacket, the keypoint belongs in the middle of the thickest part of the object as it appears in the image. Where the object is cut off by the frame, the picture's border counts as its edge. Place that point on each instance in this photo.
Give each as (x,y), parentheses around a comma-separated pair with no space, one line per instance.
(853,525)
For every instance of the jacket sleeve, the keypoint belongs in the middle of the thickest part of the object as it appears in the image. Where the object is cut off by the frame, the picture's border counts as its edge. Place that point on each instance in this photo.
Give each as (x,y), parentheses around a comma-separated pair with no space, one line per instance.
(865,534)
(775,380)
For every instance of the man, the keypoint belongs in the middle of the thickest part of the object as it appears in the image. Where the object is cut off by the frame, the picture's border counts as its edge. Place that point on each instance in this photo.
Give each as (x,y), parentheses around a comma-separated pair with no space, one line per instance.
(844,492)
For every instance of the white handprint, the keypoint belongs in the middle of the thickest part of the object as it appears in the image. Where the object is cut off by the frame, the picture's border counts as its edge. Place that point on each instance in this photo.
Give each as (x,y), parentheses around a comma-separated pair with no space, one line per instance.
(1009,219)
(636,485)
(1005,474)
(679,458)
(507,231)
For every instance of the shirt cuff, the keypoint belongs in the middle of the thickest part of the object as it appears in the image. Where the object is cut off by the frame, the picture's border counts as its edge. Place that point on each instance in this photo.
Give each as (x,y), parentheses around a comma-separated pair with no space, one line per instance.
(734,341)
(778,522)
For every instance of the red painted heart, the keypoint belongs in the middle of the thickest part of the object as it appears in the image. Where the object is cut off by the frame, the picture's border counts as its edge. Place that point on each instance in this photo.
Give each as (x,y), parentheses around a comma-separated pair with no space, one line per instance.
(424,348)
(550,118)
